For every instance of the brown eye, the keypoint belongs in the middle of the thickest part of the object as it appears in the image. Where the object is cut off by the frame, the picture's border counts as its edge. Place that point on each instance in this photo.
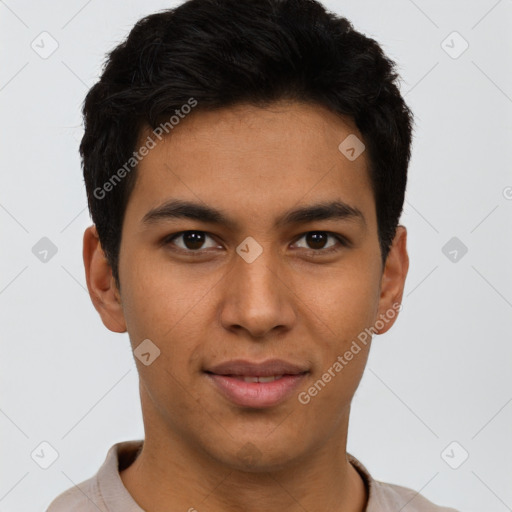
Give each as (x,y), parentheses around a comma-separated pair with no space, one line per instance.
(317,241)
(192,241)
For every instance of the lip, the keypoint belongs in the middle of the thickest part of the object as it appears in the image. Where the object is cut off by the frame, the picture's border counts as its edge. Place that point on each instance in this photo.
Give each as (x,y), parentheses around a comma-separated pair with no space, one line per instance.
(257,369)
(226,377)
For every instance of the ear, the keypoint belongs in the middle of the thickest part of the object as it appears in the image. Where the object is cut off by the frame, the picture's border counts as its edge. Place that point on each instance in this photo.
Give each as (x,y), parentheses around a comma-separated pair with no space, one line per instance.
(393,281)
(101,284)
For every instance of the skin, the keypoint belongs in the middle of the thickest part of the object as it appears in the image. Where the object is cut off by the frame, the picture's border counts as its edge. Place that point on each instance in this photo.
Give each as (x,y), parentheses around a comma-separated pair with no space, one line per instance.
(253,164)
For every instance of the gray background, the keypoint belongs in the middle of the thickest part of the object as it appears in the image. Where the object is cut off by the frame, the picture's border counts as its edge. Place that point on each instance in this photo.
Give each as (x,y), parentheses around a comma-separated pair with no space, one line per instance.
(442,374)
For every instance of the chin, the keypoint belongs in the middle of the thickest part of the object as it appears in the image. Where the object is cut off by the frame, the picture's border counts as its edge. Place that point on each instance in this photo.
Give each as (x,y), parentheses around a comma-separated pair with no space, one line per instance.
(257,456)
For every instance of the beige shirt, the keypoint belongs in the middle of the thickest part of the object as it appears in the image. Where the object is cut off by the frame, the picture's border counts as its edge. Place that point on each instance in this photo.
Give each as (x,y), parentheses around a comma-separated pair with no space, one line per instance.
(105,491)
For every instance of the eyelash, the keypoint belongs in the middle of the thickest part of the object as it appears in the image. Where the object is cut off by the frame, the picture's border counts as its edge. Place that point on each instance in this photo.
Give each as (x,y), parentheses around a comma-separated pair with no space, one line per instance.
(314,252)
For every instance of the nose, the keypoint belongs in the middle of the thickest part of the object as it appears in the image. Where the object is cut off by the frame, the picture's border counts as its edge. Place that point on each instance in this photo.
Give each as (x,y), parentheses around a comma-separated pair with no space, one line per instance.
(257,298)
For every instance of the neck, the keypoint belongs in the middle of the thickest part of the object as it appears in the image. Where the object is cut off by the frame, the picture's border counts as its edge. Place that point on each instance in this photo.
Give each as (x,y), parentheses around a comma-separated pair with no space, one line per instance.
(172,473)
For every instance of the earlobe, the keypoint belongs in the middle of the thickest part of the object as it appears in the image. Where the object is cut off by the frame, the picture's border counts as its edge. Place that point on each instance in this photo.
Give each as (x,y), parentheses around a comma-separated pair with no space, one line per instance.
(101,284)
(393,281)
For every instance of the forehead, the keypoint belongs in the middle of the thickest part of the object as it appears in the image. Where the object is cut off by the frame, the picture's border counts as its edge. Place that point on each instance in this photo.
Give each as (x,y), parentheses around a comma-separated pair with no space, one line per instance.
(254,160)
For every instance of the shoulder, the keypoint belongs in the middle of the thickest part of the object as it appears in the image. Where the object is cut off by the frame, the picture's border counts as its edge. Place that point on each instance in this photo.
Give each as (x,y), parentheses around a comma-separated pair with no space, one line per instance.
(386,497)
(389,496)
(105,490)
(84,497)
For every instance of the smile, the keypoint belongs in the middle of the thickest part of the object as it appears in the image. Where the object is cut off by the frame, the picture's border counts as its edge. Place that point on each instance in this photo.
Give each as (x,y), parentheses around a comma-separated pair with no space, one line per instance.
(250,378)
(256,392)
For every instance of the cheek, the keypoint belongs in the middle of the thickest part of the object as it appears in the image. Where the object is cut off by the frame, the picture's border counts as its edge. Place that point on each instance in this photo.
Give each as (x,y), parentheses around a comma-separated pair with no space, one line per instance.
(156,298)
(344,299)
(165,305)
(340,313)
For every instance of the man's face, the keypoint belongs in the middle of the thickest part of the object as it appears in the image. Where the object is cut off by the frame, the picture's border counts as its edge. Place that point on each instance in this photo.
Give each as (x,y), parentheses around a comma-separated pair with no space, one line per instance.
(255,289)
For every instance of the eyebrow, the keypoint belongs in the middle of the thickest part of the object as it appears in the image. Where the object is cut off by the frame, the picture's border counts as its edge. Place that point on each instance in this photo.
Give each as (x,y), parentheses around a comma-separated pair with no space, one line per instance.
(180,209)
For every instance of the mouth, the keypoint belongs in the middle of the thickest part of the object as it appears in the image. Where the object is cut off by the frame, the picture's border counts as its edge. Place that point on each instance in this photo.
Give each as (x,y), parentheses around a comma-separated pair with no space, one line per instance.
(253,378)
(256,385)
